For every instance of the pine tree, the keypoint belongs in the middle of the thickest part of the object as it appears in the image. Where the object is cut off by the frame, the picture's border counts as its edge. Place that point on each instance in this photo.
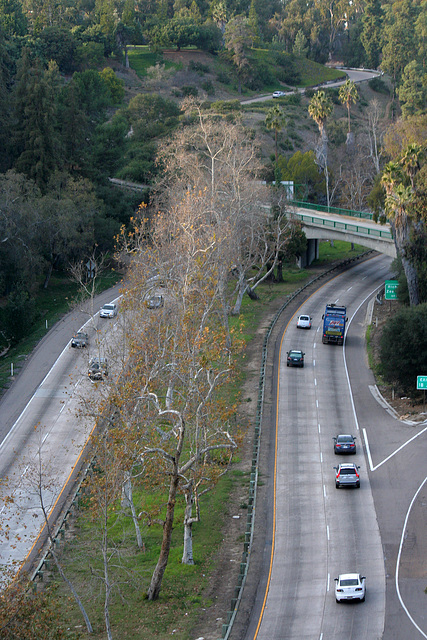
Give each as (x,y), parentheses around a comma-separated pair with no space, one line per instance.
(371,34)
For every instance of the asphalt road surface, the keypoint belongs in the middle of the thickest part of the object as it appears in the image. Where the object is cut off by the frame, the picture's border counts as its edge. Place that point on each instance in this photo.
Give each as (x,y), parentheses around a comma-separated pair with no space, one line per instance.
(43,430)
(317,531)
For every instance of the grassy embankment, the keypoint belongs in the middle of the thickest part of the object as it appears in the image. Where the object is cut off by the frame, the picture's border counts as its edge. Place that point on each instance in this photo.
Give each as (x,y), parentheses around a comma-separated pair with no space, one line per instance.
(141,58)
(182,599)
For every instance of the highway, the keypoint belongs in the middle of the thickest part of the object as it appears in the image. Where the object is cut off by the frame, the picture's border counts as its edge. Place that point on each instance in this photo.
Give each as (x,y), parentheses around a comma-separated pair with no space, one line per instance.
(318,531)
(44,429)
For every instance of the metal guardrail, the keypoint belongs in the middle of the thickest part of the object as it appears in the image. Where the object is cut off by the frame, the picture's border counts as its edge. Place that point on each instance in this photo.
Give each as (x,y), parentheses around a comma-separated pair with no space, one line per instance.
(345,226)
(337,210)
(250,520)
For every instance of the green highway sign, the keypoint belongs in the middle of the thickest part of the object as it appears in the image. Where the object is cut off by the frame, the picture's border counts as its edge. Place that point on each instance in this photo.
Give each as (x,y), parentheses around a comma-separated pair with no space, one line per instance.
(391,289)
(421,382)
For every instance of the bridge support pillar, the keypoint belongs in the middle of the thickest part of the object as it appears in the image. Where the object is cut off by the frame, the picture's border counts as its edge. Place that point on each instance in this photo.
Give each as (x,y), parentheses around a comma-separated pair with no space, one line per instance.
(311,253)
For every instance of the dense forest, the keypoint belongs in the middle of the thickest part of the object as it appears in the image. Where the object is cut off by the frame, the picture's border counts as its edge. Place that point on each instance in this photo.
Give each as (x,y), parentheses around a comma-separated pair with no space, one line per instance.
(65,123)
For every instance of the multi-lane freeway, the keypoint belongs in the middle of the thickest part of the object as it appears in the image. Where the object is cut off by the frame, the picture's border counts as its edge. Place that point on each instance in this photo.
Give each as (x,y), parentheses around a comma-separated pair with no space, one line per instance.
(318,531)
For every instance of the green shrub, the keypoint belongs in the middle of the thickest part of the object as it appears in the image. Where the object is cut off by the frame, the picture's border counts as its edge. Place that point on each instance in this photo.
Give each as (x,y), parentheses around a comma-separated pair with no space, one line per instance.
(189,90)
(223,77)
(224,106)
(199,67)
(377,84)
(208,86)
(404,347)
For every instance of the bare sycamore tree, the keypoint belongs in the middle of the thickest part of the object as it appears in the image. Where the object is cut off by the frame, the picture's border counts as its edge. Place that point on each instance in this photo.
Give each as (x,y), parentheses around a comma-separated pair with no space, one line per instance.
(86,274)
(374,133)
(221,160)
(181,356)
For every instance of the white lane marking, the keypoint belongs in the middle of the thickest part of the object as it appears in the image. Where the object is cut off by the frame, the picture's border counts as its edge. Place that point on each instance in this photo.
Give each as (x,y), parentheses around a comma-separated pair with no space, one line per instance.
(327,531)
(349,289)
(345,361)
(315,382)
(329,581)
(318,426)
(314,345)
(368,451)
(317,405)
(402,446)
(324,491)
(364,277)
(321,457)
(372,467)
(398,559)
(314,363)
(336,300)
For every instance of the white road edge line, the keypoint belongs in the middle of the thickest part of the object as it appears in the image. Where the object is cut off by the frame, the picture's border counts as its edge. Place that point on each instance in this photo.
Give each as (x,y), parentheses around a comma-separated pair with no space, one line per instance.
(402,446)
(398,560)
(8,435)
(343,354)
(368,451)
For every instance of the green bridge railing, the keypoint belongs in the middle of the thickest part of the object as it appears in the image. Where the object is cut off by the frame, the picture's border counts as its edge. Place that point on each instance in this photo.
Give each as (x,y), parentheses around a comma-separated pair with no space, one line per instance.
(345,226)
(324,209)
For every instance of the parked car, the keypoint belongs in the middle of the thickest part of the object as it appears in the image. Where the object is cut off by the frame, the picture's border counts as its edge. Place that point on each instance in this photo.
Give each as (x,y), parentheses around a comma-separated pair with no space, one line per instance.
(79,340)
(347,475)
(98,368)
(350,586)
(108,311)
(155,302)
(344,443)
(304,322)
(295,358)
(278,94)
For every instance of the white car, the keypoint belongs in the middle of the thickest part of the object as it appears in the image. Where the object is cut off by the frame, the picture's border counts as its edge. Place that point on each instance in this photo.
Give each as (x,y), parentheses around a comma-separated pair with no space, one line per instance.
(350,586)
(304,322)
(278,94)
(108,311)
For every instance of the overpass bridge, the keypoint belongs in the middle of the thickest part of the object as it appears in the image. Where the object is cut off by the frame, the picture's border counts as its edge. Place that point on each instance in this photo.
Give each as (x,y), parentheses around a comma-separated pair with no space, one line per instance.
(332,223)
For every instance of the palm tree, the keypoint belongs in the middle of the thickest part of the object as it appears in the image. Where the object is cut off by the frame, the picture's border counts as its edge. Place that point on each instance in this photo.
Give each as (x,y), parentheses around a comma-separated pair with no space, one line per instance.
(348,94)
(411,161)
(275,119)
(320,108)
(398,201)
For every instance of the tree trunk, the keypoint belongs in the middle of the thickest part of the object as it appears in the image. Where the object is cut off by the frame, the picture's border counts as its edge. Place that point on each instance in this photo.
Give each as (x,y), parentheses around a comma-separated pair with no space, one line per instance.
(48,275)
(106,583)
(187,555)
(127,502)
(401,239)
(126,57)
(240,294)
(157,577)
(158,573)
(279,272)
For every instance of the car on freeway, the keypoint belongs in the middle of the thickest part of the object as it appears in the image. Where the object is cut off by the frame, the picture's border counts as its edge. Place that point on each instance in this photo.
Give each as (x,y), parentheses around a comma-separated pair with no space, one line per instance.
(347,475)
(79,340)
(344,443)
(304,322)
(350,586)
(108,310)
(278,94)
(155,302)
(98,368)
(295,358)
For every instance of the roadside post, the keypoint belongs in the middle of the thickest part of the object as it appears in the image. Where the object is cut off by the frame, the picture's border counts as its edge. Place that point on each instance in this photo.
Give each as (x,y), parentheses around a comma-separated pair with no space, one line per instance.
(422,384)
